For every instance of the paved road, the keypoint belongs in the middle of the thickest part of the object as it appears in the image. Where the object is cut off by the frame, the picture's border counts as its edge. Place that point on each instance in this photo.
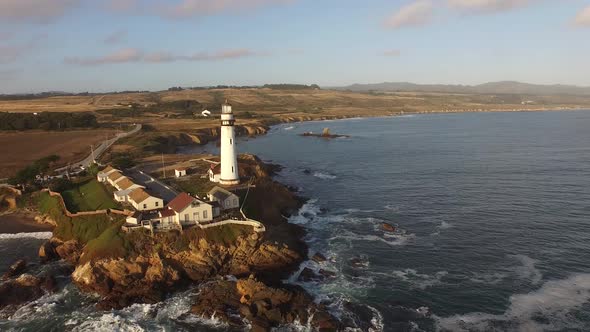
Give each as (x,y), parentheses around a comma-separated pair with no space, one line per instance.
(158,188)
(101,149)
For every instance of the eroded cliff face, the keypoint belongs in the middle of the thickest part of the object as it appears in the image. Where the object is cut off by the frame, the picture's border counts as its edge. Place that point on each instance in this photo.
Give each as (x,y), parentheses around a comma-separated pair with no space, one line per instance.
(263,306)
(148,276)
(155,265)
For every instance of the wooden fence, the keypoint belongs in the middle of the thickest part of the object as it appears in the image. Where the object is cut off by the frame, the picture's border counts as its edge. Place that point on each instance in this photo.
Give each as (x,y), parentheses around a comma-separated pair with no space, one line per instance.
(84,213)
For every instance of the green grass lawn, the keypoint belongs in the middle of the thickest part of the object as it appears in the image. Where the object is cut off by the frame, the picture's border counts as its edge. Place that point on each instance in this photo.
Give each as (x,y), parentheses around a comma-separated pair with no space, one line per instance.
(89,195)
(83,228)
(194,185)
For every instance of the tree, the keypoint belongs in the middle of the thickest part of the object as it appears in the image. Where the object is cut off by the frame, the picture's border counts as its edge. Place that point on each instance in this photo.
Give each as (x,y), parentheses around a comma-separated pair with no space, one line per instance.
(60,185)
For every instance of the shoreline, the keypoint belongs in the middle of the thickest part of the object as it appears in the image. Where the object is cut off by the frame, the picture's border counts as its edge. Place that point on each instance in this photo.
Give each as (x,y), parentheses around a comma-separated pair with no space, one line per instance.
(265,126)
(19,222)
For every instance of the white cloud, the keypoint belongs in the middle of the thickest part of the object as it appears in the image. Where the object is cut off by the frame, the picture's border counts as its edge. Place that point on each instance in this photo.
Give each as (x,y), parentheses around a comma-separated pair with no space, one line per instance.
(134,55)
(487,6)
(12,52)
(116,37)
(583,18)
(189,8)
(417,13)
(122,56)
(38,11)
(392,53)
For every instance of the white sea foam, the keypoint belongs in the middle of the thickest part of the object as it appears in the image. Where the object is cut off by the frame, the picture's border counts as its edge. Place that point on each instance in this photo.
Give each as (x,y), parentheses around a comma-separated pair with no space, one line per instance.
(308,211)
(415,279)
(527,270)
(391,207)
(36,235)
(390,239)
(324,176)
(488,278)
(109,322)
(289,128)
(445,225)
(556,300)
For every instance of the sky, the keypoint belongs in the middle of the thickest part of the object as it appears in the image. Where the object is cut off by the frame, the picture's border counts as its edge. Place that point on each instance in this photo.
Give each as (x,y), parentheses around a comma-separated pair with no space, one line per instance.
(115,45)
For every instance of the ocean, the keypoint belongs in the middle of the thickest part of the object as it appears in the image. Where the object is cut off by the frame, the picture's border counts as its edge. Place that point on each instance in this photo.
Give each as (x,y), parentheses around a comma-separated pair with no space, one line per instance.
(492,213)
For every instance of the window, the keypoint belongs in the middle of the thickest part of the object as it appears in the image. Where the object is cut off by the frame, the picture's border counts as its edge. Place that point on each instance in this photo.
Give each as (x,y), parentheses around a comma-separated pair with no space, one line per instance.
(157,203)
(145,206)
(232,169)
(230,141)
(205,214)
(186,217)
(235,202)
(196,216)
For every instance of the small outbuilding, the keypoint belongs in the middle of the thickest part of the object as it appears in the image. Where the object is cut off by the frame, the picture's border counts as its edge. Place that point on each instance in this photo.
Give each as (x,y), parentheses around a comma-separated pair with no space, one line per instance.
(180,172)
(226,199)
(215,173)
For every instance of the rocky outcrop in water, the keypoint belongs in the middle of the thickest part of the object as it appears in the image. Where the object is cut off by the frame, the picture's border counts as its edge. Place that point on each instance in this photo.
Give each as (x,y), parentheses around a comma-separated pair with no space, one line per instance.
(16,269)
(263,306)
(19,288)
(147,278)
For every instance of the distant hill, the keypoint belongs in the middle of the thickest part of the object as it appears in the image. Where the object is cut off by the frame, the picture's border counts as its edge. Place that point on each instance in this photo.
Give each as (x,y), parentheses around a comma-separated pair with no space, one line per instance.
(504,87)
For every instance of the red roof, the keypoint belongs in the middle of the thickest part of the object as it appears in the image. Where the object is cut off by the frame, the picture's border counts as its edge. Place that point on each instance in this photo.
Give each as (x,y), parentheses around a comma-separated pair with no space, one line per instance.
(180,202)
(181,169)
(166,213)
(216,169)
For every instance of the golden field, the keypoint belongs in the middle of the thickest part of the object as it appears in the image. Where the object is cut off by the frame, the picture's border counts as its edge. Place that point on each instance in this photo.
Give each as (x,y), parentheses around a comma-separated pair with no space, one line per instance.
(255,108)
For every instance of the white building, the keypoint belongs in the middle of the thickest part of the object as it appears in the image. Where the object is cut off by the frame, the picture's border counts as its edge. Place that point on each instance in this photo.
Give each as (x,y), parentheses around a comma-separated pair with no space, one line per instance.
(214,173)
(229,158)
(180,172)
(125,186)
(187,210)
(102,175)
(226,199)
(142,201)
(113,177)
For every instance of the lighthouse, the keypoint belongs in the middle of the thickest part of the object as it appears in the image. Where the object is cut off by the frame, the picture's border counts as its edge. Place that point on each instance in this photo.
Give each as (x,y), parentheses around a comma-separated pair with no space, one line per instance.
(229,158)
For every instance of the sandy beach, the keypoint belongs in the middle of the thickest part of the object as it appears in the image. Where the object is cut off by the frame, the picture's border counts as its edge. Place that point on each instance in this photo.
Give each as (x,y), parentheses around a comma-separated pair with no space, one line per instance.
(21,223)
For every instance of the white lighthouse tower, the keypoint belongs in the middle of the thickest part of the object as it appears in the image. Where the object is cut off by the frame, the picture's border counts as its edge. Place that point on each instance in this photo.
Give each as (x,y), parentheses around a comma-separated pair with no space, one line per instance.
(229,158)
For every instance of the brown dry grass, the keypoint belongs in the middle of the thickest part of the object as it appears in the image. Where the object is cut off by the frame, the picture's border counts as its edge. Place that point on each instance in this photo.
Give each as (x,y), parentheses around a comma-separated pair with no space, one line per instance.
(268,106)
(18,149)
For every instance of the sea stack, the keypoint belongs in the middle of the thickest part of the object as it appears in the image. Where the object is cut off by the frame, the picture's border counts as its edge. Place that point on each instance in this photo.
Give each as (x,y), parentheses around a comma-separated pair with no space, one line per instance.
(229,157)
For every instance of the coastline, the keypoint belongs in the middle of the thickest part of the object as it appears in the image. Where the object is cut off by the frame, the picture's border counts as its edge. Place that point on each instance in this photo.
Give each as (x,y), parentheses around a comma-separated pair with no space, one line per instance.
(19,222)
(207,135)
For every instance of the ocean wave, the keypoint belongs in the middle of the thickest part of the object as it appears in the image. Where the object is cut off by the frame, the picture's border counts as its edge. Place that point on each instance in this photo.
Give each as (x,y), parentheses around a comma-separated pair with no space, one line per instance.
(415,279)
(390,239)
(324,176)
(391,207)
(306,213)
(557,301)
(36,235)
(445,225)
(527,270)
(289,128)
(109,322)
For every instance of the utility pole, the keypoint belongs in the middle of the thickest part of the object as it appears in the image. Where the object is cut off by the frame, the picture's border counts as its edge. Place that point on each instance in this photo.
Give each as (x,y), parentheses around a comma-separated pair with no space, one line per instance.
(163,168)
(92,149)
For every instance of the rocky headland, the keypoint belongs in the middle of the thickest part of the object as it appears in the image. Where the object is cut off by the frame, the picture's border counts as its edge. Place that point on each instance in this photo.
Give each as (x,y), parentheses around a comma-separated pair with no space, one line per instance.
(239,271)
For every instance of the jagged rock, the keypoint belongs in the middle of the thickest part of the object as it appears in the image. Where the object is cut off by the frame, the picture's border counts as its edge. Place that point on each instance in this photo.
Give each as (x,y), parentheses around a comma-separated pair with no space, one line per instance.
(69,251)
(264,306)
(318,258)
(388,227)
(327,273)
(16,269)
(47,252)
(16,292)
(308,274)
(357,262)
